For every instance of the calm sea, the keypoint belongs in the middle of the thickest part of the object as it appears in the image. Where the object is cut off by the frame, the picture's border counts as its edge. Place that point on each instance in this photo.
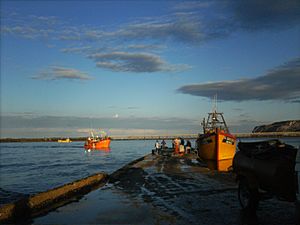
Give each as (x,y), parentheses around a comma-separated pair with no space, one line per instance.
(28,168)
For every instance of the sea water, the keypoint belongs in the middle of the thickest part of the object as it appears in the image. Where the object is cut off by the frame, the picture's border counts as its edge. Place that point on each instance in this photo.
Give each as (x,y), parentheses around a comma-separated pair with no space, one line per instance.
(29,168)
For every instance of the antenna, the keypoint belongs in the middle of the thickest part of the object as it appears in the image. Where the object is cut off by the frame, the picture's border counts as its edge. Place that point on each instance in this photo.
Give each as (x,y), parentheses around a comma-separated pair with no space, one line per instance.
(214,105)
(216,102)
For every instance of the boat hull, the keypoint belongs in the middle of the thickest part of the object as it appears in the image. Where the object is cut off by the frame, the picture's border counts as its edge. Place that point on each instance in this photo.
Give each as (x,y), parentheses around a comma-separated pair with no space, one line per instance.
(217,147)
(100,144)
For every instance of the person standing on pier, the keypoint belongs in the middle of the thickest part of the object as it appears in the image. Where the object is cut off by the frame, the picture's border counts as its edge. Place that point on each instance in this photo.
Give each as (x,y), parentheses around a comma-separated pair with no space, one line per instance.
(176,145)
(181,146)
(157,146)
(163,144)
(188,146)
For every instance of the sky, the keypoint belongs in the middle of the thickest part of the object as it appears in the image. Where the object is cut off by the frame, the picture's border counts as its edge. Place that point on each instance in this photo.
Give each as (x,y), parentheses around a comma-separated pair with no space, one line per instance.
(146,67)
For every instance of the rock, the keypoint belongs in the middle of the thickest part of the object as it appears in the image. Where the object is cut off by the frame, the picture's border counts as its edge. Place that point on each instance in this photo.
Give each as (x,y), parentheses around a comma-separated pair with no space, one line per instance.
(282,126)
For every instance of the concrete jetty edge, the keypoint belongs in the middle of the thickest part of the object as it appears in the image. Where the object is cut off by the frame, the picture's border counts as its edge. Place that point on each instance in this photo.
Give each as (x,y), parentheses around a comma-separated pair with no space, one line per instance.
(44,202)
(115,175)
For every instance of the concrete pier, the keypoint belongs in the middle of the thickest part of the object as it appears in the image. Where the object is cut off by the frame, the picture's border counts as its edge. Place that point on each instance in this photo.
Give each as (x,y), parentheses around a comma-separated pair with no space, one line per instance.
(168,189)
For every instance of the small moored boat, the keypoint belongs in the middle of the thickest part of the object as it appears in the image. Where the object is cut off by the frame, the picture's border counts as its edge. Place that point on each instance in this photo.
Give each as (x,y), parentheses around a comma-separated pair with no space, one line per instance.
(67,140)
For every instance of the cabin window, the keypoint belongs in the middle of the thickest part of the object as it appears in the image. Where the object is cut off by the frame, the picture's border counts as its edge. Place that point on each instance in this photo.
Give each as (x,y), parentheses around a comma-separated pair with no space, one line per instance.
(228,140)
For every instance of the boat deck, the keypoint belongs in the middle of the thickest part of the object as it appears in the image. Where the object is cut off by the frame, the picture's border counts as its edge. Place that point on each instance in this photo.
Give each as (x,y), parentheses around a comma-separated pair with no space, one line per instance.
(167,189)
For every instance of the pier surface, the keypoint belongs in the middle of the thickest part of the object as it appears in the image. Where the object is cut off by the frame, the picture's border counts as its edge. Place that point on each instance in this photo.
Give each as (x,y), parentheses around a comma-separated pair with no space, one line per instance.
(166,189)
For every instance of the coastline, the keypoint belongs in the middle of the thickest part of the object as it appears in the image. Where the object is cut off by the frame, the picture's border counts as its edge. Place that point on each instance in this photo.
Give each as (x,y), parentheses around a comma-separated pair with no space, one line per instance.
(155,137)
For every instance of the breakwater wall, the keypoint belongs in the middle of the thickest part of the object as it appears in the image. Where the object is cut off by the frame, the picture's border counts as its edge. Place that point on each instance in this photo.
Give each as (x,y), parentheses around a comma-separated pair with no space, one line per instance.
(43,202)
(267,134)
(194,136)
(159,137)
(23,210)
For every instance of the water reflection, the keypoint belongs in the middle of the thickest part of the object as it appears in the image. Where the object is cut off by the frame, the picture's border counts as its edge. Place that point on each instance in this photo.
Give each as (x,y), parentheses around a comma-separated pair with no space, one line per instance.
(104,149)
(221,165)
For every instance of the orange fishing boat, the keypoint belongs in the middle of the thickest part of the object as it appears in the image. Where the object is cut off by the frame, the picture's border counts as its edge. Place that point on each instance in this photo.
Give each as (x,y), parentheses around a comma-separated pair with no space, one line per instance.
(216,145)
(97,142)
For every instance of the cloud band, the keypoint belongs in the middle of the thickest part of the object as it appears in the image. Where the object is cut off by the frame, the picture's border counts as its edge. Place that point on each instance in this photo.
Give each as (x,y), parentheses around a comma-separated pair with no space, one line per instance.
(281,83)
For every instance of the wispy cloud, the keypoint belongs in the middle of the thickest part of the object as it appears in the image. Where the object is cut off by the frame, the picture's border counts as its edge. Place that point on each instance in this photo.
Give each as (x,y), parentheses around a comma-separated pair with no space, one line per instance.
(134,62)
(192,5)
(173,29)
(78,126)
(57,73)
(190,23)
(281,83)
(81,50)
(132,107)
(114,55)
(89,49)
(30,26)
(27,125)
(145,47)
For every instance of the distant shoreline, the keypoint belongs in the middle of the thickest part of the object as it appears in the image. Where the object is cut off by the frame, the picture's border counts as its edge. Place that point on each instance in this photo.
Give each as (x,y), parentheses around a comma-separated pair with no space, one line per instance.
(158,137)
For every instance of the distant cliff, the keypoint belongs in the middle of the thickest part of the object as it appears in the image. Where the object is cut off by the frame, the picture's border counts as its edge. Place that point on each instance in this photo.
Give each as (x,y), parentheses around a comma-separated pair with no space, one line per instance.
(283,126)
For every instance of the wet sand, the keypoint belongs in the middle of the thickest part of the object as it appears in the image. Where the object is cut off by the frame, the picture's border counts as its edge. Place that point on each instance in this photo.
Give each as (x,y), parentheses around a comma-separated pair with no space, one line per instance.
(168,190)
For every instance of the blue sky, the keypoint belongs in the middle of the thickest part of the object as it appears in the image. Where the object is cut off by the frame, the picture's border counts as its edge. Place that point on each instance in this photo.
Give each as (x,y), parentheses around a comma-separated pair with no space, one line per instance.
(146,67)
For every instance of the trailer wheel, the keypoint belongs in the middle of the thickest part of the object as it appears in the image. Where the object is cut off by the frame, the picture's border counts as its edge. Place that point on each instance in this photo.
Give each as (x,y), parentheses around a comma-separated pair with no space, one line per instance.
(248,197)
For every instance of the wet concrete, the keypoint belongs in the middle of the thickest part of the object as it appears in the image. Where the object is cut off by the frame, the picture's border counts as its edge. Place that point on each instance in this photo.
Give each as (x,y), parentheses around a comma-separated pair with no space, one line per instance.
(41,203)
(168,190)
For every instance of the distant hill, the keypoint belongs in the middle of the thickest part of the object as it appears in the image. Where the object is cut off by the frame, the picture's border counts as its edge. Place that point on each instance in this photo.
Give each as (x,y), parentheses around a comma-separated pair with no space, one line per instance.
(283,126)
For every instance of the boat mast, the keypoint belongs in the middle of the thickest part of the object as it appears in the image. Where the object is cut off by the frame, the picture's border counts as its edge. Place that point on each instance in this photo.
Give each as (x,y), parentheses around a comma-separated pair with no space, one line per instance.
(225,125)
(204,125)
(215,119)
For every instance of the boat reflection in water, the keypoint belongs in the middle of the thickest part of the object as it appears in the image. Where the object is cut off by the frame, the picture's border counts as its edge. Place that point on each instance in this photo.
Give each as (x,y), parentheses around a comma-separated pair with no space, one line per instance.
(103,149)
(221,165)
